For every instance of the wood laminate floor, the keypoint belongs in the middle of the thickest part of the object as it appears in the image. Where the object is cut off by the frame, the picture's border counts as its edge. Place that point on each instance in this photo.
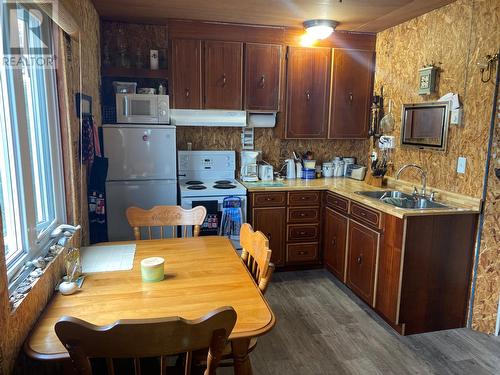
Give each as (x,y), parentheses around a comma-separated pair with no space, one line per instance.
(323,328)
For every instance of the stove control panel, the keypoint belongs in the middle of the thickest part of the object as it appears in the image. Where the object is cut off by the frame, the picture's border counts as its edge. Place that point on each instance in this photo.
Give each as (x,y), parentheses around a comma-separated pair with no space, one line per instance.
(219,161)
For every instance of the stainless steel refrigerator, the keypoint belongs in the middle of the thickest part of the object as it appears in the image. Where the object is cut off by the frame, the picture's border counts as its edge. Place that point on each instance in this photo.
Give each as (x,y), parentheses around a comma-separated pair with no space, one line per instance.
(142,172)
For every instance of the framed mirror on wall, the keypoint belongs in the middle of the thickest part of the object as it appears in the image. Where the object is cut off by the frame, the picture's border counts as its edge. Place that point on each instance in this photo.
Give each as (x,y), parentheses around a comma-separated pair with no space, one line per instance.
(425,125)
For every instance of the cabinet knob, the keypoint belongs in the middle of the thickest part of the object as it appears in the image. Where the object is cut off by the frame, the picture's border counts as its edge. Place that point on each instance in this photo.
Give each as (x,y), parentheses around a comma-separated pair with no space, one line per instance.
(187,93)
(334,242)
(351,98)
(302,214)
(269,199)
(224,79)
(302,252)
(359,259)
(362,213)
(262,81)
(302,233)
(308,95)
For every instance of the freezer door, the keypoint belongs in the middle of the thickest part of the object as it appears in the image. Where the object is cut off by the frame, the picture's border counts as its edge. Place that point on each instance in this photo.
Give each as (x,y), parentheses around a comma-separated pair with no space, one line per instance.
(145,194)
(140,153)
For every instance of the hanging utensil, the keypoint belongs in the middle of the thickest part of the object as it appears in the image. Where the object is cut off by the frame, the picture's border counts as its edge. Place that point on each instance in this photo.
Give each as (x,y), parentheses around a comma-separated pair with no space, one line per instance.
(387,122)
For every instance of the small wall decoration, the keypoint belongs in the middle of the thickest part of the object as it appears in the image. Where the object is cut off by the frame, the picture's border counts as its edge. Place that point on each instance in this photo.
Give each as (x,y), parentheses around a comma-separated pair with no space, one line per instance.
(427,80)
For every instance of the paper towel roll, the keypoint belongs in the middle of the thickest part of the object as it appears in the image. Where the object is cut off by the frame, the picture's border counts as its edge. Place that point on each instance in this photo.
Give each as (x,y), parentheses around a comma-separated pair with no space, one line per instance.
(261,120)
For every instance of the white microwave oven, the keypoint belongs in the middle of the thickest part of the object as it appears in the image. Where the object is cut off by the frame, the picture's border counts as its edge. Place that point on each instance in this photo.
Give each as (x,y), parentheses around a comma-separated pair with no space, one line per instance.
(142,109)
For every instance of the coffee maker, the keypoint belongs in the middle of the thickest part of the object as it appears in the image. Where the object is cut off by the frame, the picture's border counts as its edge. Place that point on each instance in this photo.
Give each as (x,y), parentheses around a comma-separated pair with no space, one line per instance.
(249,169)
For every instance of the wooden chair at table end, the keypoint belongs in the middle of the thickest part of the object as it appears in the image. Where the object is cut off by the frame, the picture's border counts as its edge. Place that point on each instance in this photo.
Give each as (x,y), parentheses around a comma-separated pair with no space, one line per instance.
(146,338)
(165,216)
(257,258)
(256,255)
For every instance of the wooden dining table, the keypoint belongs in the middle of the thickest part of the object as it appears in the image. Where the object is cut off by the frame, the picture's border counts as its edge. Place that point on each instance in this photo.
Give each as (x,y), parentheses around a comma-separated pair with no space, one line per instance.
(201,274)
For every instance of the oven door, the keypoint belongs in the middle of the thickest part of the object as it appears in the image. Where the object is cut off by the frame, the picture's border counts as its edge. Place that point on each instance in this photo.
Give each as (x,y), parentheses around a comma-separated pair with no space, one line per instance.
(137,109)
(214,213)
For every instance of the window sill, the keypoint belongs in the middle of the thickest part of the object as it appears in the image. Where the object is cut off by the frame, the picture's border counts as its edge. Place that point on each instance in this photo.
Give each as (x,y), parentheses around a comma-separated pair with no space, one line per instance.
(25,284)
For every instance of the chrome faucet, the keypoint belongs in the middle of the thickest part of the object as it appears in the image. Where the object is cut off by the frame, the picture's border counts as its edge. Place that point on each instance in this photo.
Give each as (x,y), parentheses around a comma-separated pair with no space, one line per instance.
(423,175)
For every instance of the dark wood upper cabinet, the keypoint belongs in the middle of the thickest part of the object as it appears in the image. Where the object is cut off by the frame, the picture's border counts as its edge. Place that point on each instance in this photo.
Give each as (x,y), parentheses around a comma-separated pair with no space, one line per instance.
(308,83)
(262,76)
(363,245)
(186,88)
(223,75)
(351,93)
(334,242)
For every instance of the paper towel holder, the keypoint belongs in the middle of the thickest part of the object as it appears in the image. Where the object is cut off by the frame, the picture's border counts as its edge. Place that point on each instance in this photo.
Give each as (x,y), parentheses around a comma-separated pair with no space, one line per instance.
(261,119)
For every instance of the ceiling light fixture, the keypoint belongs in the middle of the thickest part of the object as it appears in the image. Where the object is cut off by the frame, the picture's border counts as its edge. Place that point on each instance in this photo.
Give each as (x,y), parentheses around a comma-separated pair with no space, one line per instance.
(320,29)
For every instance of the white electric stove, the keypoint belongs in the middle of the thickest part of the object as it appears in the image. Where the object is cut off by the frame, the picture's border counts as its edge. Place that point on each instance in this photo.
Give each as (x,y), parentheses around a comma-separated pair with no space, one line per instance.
(206,178)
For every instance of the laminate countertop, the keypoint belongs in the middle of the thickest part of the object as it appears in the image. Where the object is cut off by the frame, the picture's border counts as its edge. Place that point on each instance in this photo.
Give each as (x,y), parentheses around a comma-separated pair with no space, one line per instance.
(346,187)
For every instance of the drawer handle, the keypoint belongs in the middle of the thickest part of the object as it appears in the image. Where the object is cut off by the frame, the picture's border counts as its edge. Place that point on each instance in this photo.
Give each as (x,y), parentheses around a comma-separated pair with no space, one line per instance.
(308,95)
(335,202)
(302,233)
(187,93)
(224,79)
(302,214)
(334,242)
(302,252)
(362,213)
(269,199)
(359,259)
(303,198)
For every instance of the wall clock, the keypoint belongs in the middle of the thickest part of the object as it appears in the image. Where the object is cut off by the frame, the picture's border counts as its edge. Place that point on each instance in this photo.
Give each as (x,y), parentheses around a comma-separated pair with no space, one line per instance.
(427,80)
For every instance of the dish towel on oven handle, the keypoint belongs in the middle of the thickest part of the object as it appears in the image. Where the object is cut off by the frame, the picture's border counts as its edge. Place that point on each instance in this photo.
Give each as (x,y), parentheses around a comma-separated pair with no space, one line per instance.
(231,217)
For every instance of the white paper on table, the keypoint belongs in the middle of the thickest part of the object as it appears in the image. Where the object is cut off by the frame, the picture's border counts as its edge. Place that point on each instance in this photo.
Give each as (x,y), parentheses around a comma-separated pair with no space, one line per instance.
(107,258)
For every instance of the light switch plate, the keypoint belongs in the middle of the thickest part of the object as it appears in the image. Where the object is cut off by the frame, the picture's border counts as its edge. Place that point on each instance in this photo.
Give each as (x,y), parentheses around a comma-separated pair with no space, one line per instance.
(461,164)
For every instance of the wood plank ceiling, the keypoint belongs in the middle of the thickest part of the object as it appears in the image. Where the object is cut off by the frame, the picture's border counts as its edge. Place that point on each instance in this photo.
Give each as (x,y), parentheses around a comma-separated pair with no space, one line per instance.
(354,15)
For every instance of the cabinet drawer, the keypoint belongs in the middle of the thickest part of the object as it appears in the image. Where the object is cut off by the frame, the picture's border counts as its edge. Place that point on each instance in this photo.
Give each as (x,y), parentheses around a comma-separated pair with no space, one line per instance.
(365,215)
(304,252)
(269,199)
(303,233)
(304,198)
(303,215)
(337,202)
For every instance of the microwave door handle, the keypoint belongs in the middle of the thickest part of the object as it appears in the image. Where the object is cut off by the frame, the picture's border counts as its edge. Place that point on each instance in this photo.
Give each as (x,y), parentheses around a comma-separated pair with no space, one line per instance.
(125,106)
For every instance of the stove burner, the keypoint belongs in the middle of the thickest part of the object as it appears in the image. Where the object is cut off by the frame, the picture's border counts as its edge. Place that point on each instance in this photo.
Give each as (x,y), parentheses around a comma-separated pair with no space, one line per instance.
(196,187)
(194,182)
(224,186)
(223,182)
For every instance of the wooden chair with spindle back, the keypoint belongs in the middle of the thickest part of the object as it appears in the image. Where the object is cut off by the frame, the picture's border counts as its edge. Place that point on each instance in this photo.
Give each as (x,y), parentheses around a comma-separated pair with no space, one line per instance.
(165,216)
(257,258)
(256,255)
(146,338)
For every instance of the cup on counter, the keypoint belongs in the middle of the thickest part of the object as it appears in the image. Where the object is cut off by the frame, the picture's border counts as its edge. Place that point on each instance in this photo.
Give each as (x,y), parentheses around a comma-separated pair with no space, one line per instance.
(309,164)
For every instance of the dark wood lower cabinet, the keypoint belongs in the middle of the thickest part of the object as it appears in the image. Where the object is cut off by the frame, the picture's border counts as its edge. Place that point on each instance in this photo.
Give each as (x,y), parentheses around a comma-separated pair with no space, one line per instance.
(362,258)
(334,242)
(271,222)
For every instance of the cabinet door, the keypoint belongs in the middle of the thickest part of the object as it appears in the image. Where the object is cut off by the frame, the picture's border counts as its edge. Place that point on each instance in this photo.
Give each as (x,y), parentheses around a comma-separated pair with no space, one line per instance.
(362,250)
(186,74)
(334,242)
(262,76)
(308,82)
(351,93)
(223,75)
(271,222)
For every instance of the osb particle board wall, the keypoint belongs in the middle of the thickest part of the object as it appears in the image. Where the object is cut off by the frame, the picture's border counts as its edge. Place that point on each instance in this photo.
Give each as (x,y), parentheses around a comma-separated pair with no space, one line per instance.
(453,37)
(274,149)
(444,37)
(16,325)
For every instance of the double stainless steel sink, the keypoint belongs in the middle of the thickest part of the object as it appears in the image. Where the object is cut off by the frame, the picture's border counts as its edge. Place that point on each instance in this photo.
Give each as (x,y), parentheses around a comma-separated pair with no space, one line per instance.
(403,200)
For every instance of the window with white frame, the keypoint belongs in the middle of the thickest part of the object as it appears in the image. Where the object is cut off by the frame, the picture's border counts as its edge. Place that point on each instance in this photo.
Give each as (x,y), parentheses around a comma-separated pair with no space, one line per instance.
(31,177)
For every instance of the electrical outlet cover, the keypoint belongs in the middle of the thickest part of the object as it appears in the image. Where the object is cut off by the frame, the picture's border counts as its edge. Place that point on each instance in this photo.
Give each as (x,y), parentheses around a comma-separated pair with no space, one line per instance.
(461,163)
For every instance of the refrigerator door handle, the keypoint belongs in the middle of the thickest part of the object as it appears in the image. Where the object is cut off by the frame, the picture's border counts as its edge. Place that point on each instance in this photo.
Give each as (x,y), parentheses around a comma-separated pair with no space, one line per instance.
(125,106)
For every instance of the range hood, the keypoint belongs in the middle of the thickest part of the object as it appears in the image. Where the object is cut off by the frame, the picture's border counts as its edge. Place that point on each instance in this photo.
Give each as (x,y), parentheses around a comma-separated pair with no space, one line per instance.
(207,117)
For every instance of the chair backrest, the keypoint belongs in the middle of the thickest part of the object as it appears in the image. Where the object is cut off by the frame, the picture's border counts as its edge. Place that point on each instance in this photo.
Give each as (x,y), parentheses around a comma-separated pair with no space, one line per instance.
(165,216)
(256,255)
(137,339)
